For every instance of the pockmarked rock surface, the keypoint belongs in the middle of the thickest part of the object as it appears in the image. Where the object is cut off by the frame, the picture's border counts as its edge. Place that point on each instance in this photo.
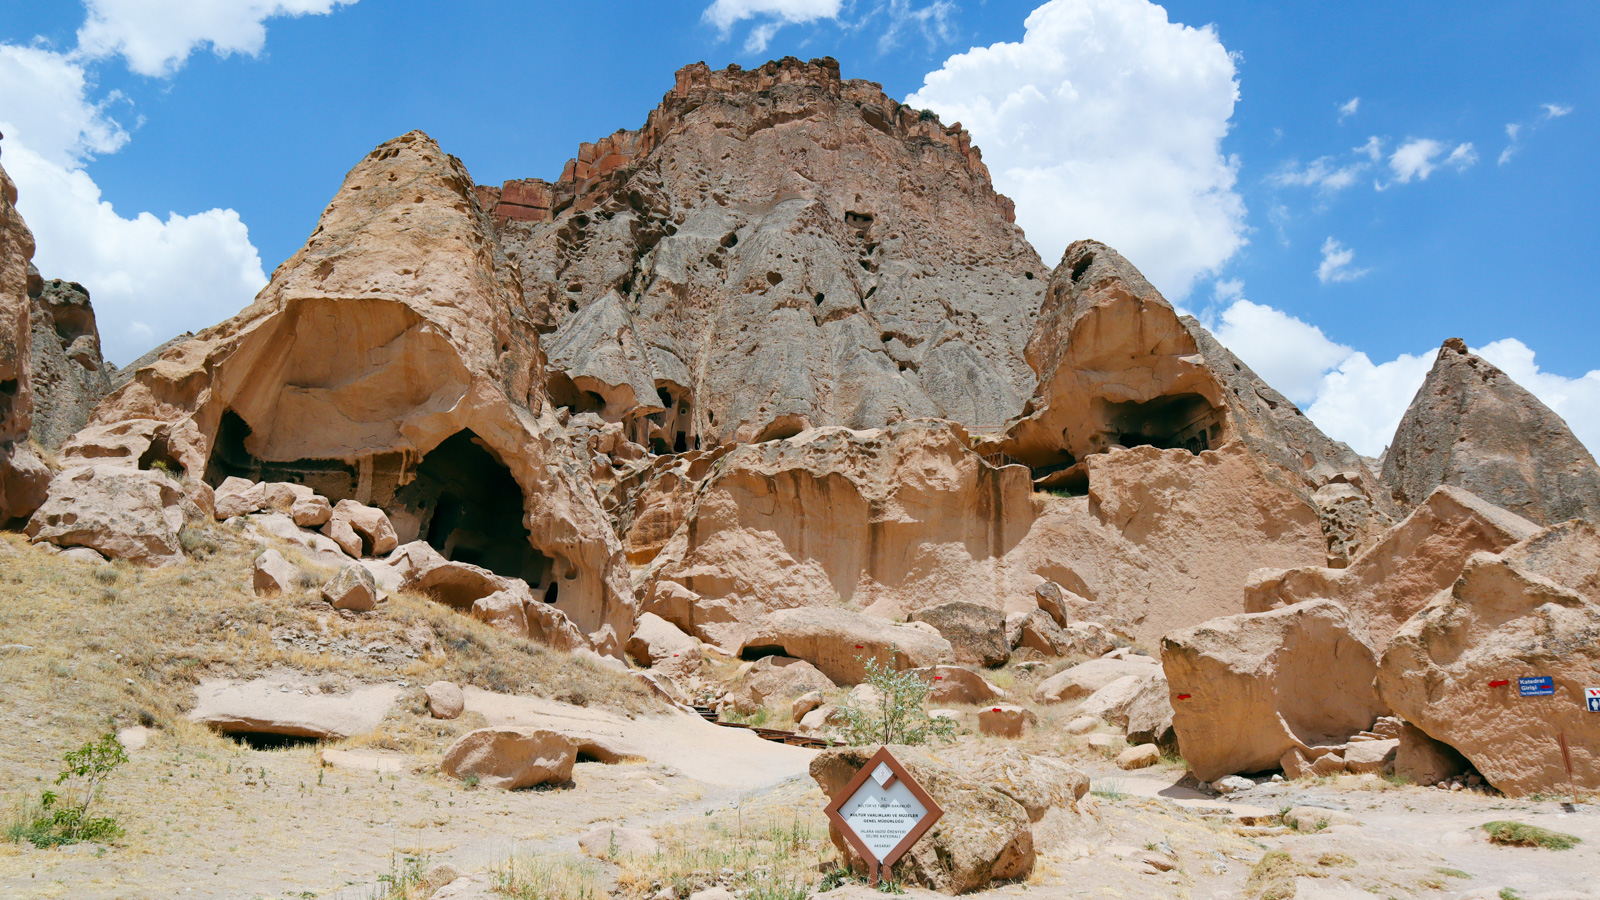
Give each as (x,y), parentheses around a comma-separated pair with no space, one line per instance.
(1453,671)
(774,249)
(1250,688)
(1472,427)
(23,478)
(888,521)
(977,633)
(68,375)
(1401,573)
(1081,680)
(392,362)
(122,513)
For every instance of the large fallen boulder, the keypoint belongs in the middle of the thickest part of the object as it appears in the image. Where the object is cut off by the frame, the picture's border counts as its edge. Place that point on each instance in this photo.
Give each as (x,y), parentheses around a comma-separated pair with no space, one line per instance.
(1248,689)
(953,684)
(1456,668)
(983,836)
(123,513)
(776,682)
(1386,584)
(839,641)
(360,530)
(1084,679)
(291,705)
(659,644)
(510,757)
(977,633)
(1471,426)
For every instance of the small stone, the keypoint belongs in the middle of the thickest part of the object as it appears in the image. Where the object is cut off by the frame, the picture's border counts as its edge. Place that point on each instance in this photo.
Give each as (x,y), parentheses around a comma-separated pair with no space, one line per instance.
(1140,757)
(1158,862)
(805,703)
(1102,741)
(134,738)
(273,574)
(1082,725)
(1232,784)
(445,700)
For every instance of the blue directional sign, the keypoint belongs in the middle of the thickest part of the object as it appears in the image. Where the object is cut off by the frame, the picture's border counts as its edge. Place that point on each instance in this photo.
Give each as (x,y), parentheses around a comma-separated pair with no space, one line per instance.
(1592,696)
(1538,686)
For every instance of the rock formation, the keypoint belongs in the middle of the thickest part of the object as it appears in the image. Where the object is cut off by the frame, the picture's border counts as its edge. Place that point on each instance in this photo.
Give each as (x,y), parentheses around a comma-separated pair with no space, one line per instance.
(1249,689)
(1403,572)
(394,362)
(776,249)
(69,377)
(23,478)
(1472,427)
(1453,669)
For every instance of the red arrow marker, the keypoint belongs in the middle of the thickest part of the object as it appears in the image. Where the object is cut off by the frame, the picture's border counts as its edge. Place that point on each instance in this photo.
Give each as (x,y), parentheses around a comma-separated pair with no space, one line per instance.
(1500,683)
(1183,696)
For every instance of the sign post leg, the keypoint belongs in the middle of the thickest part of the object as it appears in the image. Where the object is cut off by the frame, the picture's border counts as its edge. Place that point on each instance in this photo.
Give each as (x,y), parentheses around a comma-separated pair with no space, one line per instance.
(875,872)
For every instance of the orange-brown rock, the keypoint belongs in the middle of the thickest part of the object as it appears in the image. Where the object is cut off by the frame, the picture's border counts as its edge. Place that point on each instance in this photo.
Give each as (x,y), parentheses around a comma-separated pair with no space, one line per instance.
(1453,671)
(1472,427)
(1118,367)
(394,362)
(841,642)
(121,513)
(510,757)
(1248,688)
(23,478)
(1400,574)
(890,521)
(777,248)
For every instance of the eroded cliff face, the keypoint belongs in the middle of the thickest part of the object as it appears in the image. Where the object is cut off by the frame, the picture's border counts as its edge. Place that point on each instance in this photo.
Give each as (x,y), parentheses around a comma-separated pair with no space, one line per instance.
(392,361)
(23,479)
(69,375)
(776,249)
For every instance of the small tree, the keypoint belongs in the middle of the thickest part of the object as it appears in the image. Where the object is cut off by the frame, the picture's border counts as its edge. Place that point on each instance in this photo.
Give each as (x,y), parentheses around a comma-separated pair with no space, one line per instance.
(52,821)
(896,714)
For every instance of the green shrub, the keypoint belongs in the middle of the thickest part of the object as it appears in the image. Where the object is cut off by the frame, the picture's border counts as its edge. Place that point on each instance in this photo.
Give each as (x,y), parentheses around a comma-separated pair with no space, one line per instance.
(50,821)
(1517,834)
(898,716)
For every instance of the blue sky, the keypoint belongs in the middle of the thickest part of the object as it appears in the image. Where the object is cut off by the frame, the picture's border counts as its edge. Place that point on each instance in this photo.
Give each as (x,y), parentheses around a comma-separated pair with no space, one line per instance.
(1333,188)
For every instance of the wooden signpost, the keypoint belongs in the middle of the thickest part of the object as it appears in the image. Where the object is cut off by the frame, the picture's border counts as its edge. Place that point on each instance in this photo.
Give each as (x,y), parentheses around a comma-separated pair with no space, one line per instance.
(882,812)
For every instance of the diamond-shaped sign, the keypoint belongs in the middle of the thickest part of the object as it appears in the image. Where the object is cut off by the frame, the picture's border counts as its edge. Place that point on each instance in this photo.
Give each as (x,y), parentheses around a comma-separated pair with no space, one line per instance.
(882,812)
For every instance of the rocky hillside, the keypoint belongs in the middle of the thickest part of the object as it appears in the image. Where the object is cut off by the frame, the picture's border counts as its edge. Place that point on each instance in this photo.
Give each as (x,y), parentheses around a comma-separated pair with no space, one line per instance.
(774,385)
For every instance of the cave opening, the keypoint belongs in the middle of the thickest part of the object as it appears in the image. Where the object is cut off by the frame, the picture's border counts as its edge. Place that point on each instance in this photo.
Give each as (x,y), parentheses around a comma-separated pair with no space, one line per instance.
(1186,421)
(332,478)
(270,740)
(159,456)
(471,510)
(229,458)
(564,393)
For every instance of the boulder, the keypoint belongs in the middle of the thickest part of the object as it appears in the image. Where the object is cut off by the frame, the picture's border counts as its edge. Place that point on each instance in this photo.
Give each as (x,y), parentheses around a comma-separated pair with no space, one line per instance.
(445,700)
(1453,671)
(612,842)
(291,705)
(353,589)
(1470,426)
(804,704)
(510,757)
(239,497)
(977,634)
(1232,784)
(272,574)
(1363,757)
(1039,783)
(464,586)
(953,684)
(1248,688)
(1005,720)
(1038,632)
(360,530)
(306,507)
(660,644)
(837,641)
(123,513)
(983,836)
(1089,638)
(1058,602)
(1085,678)
(1112,702)
(503,610)
(1140,756)
(1398,575)
(775,680)
(1082,725)
(1149,714)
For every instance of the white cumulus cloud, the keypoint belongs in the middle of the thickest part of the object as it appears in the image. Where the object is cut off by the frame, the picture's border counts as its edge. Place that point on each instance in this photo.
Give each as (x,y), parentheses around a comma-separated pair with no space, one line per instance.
(1346,110)
(1287,353)
(149,278)
(1106,121)
(156,36)
(1335,265)
(1361,402)
(1419,157)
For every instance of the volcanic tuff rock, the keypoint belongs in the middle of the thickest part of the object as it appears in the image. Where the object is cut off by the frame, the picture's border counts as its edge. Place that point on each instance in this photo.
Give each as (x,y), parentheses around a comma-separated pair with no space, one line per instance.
(1249,688)
(1473,427)
(1400,574)
(69,377)
(1498,623)
(777,249)
(393,361)
(23,479)
(1117,366)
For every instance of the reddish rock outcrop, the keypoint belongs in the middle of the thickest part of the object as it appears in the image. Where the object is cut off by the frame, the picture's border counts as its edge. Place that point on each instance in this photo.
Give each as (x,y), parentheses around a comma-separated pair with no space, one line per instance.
(776,249)
(1403,572)
(1472,427)
(394,362)
(23,478)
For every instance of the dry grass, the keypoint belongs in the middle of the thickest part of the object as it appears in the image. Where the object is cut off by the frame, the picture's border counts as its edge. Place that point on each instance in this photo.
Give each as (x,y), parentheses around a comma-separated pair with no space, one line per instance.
(525,877)
(91,647)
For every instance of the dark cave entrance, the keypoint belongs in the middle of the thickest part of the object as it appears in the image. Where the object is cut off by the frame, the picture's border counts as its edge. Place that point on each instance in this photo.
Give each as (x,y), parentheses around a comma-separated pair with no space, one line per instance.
(332,478)
(1186,421)
(471,510)
(229,458)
